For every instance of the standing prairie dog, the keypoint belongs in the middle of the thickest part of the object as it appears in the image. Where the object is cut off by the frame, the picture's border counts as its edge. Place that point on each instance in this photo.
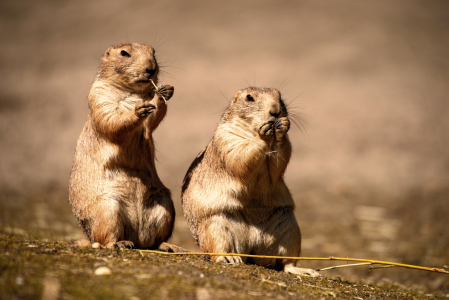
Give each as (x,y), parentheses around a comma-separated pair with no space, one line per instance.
(234,196)
(114,189)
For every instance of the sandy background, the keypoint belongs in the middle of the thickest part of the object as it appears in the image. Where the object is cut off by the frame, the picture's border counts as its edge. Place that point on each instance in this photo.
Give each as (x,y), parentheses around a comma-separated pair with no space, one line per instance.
(370,168)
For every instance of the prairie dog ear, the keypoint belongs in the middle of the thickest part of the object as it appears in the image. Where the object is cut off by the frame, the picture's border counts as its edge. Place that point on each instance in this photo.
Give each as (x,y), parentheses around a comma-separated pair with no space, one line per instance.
(108,52)
(237,96)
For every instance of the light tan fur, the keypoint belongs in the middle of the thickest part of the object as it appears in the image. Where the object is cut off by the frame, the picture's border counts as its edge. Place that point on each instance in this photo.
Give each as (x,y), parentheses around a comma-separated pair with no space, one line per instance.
(234,196)
(114,189)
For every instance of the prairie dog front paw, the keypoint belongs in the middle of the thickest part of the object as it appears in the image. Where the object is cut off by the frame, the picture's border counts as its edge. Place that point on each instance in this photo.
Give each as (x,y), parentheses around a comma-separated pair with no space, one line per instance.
(266,130)
(144,109)
(166,91)
(281,126)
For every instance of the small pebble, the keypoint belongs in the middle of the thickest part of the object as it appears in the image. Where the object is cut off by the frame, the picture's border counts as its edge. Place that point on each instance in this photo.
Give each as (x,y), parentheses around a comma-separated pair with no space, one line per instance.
(96,245)
(103,271)
(20,280)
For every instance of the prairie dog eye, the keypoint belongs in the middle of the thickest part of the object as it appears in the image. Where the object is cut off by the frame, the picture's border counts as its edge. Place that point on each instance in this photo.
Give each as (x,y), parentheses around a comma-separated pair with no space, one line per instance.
(249,98)
(124,53)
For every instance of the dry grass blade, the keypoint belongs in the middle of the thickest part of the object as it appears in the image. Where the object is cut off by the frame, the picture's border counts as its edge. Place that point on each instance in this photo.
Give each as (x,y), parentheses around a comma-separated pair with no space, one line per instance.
(274,282)
(157,89)
(355,265)
(344,266)
(367,261)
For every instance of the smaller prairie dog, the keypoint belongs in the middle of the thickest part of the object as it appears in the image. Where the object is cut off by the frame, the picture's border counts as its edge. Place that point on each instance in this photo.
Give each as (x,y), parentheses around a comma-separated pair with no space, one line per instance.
(114,189)
(234,196)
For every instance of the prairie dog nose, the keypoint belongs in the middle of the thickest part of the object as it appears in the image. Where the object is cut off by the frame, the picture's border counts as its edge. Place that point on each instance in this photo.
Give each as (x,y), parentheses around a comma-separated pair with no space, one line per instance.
(275,110)
(150,71)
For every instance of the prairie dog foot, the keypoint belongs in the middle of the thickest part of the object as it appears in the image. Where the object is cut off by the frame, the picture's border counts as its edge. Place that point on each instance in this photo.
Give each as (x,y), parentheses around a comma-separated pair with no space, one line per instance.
(124,244)
(300,271)
(232,260)
(82,243)
(170,248)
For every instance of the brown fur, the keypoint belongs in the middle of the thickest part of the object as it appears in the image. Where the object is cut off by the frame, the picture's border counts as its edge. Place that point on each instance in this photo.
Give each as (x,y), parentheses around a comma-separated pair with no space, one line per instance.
(114,189)
(234,196)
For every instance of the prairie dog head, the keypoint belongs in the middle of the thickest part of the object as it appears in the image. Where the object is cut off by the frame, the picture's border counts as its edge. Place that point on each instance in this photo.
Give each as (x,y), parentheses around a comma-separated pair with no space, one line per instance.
(129,65)
(256,106)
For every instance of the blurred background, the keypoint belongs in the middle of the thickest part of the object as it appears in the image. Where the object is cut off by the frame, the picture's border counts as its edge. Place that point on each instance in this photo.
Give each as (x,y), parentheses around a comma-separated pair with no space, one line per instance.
(369,79)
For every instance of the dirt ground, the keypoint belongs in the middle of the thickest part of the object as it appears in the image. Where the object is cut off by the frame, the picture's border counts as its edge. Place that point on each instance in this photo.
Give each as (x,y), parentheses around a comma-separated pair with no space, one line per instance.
(370,165)
(55,270)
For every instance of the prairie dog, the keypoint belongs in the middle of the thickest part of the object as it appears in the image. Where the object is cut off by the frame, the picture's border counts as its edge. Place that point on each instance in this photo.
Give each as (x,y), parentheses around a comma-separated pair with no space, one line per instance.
(114,189)
(234,196)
